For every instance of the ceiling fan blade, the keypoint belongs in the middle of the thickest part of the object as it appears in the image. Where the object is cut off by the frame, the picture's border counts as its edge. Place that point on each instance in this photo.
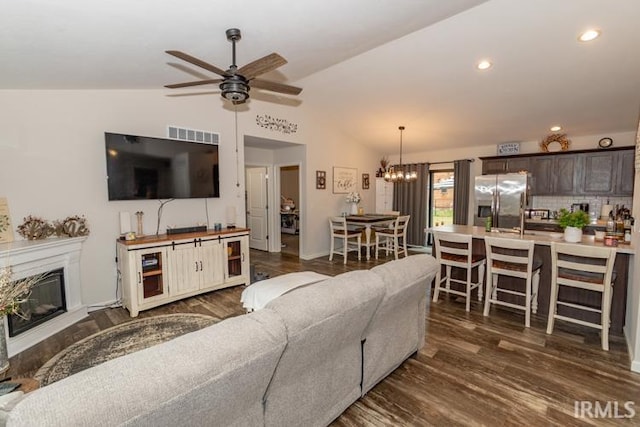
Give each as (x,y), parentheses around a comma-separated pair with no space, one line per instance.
(261,66)
(275,87)
(196,83)
(195,61)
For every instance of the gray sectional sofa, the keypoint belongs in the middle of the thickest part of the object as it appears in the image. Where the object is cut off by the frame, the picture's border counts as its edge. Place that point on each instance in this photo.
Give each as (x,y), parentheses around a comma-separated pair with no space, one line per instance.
(301,361)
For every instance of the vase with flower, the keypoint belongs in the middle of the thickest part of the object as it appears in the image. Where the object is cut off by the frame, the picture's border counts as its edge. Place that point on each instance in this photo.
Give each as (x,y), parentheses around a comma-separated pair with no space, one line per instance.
(354,198)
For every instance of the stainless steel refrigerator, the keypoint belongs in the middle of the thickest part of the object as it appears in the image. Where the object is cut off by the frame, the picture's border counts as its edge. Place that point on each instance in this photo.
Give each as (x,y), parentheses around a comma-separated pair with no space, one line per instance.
(501,197)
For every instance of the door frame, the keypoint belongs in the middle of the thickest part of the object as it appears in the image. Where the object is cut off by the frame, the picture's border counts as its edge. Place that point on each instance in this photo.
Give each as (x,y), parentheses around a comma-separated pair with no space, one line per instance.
(301,203)
(271,201)
(246,200)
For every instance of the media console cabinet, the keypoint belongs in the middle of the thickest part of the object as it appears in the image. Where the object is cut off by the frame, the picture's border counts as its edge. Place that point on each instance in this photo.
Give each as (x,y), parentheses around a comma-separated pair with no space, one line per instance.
(156,270)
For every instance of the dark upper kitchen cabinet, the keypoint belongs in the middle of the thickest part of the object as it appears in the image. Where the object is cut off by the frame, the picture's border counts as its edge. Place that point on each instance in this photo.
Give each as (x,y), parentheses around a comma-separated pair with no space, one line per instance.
(542,176)
(565,174)
(578,173)
(599,173)
(554,175)
(609,173)
(505,165)
(626,172)
(494,166)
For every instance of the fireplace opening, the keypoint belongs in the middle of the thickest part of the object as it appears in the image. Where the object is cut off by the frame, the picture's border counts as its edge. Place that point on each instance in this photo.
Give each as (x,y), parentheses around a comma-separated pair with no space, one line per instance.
(47,300)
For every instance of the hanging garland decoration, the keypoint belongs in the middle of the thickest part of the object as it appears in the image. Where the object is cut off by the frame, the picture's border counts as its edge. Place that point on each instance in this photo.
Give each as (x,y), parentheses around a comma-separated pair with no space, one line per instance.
(279,125)
(560,138)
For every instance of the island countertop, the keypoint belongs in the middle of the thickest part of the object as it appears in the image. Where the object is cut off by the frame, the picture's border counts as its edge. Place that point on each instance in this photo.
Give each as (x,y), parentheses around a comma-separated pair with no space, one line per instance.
(539,237)
(542,240)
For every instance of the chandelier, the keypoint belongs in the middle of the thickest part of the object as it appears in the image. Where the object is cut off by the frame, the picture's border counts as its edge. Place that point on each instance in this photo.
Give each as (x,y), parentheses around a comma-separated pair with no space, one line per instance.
(399,175)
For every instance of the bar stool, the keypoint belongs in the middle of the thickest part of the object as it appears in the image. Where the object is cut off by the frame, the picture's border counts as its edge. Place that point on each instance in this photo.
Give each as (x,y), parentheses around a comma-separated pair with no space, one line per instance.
(583,267)
(512,258)
(455,251)
(395,237)
(339,230)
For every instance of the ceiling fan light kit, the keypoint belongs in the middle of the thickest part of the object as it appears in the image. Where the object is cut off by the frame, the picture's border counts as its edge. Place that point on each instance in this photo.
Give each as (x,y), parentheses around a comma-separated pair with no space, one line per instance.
(235,89)
(236,82)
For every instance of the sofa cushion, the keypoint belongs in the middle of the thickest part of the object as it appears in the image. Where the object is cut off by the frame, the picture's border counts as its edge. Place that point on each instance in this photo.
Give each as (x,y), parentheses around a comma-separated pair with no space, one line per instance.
(215,376)
(320,371)
(398,327)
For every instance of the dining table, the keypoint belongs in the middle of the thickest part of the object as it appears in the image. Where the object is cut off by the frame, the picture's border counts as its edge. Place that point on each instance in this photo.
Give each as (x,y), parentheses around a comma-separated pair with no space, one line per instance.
(369,220)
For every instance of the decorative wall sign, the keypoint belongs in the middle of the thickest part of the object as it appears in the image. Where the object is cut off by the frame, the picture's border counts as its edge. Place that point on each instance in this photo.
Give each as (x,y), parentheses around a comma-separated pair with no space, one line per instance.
(508,148)
(6,229)
(345,180)
(280,125)
(365,181)
(321,180)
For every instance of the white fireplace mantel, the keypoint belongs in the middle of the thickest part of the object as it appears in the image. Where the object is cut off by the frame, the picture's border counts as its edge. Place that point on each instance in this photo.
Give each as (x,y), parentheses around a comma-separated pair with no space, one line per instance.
(30,257)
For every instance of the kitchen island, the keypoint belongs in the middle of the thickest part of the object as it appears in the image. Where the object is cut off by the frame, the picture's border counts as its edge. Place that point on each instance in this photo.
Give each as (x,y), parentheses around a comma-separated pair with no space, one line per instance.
(542,251)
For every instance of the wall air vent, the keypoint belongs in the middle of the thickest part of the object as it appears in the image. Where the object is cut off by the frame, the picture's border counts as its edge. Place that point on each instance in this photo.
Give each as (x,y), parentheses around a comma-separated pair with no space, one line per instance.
(192,135)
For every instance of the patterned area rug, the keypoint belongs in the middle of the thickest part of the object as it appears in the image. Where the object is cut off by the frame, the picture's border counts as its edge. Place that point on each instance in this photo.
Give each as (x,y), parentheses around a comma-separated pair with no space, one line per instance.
(118,341)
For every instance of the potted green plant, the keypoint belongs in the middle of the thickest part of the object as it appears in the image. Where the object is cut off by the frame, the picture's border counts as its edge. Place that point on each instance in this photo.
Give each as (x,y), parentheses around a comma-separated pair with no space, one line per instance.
(572,223)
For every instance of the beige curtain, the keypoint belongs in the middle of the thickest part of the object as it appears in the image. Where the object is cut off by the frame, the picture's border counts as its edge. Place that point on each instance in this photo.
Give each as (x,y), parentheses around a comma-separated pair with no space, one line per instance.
(410,198)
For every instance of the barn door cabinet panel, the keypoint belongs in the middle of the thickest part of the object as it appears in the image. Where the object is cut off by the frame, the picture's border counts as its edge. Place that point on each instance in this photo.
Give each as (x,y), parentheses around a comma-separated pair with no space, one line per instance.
(195,265)
(157,270)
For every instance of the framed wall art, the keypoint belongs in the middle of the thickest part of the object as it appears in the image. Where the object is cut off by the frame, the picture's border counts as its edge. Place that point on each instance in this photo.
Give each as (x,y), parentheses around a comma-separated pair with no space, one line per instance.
(365,181)
(6,228)
(321,180)
(345,180)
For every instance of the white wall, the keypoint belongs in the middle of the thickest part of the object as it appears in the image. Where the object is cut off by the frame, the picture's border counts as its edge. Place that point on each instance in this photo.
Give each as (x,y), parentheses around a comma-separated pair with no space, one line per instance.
(52,163)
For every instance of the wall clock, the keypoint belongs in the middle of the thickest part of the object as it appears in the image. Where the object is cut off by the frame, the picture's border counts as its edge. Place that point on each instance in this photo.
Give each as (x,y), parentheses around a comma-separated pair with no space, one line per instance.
(605,143)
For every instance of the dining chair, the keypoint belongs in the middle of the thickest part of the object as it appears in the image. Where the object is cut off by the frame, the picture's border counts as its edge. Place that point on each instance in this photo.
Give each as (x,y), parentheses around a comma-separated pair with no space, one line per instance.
(512,258)
(339,230)
(455,250)
(394,238)
(582,267)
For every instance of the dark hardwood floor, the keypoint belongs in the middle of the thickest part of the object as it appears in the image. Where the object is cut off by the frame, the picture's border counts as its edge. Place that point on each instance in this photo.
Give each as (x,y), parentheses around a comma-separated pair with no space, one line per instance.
(472,371)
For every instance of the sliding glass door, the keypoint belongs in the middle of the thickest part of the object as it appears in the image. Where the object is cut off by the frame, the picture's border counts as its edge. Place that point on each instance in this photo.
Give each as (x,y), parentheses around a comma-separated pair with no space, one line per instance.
(441,184)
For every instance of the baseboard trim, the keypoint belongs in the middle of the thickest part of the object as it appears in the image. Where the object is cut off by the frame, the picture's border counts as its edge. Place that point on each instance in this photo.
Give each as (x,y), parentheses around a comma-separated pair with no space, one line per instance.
(102,305)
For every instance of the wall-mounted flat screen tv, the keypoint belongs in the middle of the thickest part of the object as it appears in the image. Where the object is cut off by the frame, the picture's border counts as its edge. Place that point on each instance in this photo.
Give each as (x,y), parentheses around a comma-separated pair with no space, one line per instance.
(141,167)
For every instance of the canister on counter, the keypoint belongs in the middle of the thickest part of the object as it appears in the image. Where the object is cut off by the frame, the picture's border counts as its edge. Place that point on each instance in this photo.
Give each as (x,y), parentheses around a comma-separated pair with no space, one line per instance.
(610,240)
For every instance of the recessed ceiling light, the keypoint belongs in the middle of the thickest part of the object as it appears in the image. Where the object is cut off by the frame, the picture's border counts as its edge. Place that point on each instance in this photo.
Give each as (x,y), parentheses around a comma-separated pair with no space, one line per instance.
(484,64)
(589,35)
(555,128)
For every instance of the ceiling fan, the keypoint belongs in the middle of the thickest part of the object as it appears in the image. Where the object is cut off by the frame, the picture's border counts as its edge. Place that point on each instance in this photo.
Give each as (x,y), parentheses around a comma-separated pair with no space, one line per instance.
(236,82)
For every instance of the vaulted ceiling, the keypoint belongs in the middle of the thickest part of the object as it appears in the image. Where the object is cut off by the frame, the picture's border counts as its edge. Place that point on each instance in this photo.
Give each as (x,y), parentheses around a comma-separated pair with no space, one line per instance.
(367,66)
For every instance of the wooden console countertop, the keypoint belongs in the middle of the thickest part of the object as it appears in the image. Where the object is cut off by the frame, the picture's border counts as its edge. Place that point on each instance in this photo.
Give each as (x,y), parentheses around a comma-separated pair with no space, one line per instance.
(152,238)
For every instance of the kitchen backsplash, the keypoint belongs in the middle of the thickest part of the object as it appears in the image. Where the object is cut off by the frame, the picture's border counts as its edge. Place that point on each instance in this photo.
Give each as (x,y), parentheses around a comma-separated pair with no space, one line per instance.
(555,203)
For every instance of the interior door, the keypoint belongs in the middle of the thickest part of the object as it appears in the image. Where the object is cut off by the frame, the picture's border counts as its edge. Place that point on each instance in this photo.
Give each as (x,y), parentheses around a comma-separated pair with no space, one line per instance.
(257,208)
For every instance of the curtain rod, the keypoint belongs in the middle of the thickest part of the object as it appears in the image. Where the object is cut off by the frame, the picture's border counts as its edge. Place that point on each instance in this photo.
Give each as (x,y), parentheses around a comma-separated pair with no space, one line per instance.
(439,163)
(433,163)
